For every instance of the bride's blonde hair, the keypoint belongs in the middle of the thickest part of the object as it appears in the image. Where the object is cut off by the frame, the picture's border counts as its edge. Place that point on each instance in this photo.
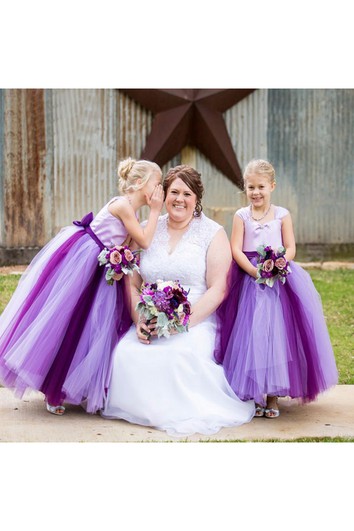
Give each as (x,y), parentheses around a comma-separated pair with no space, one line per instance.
(130,171)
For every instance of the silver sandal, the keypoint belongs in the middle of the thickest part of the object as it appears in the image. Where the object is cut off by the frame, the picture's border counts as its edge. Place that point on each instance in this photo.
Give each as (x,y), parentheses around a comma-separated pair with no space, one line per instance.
(259,412)
(55,410)
(271,412)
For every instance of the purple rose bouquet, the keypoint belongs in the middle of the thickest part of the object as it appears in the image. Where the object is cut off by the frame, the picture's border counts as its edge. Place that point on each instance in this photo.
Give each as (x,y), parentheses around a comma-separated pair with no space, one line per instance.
(272,265)
(119,261)
(168,302)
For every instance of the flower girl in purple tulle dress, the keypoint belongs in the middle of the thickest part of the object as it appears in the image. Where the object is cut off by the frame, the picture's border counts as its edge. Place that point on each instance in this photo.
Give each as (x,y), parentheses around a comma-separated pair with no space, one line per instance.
(66,316)
(273,339)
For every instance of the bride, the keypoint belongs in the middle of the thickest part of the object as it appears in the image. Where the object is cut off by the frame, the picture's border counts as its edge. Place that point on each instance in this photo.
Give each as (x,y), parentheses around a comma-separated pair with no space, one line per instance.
(174,384)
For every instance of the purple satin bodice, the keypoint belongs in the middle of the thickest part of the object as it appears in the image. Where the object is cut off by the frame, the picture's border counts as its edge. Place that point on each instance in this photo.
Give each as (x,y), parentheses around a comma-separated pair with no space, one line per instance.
(109,229)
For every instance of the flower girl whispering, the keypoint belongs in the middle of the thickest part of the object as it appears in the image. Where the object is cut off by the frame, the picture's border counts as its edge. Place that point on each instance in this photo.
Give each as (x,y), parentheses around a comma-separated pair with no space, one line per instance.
(60,327)
(273,341)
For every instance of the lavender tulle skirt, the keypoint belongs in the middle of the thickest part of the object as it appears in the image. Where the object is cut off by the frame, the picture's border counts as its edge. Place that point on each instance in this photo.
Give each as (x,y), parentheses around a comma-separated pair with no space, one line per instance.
(59,329)
(274,341)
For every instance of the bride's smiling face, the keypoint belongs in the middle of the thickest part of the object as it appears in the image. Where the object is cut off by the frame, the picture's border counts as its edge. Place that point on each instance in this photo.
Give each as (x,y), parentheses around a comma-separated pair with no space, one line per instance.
(180,201)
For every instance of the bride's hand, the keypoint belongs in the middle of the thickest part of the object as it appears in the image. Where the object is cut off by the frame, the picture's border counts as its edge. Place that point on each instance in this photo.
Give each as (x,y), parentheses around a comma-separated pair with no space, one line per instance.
(152,326)
(173,331)
(145,331)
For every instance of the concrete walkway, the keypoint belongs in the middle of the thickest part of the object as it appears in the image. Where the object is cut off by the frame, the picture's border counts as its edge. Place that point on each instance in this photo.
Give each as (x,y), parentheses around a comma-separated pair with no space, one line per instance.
(332,415)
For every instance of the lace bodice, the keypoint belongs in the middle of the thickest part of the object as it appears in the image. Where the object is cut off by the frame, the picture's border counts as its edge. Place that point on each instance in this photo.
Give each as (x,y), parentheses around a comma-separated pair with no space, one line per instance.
(256,234)
(187,262)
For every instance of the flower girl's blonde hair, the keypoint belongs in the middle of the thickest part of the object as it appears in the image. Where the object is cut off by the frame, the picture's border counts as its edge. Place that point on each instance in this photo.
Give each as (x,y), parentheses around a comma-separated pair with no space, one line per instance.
(130,171)
(259,166)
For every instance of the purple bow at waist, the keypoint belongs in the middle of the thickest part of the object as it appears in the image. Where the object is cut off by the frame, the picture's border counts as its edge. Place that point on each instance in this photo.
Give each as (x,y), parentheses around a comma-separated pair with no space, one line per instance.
(85,224)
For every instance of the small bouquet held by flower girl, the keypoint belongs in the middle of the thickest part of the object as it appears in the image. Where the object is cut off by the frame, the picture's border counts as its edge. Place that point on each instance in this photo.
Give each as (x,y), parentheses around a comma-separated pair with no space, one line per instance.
(167,301)
(119,261)
(272,265)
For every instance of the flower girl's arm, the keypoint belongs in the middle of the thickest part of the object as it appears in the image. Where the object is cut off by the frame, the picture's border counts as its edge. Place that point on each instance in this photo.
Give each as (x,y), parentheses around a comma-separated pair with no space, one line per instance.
(125,212)
(135,285)
(218,265)
(288,237)
(237,245)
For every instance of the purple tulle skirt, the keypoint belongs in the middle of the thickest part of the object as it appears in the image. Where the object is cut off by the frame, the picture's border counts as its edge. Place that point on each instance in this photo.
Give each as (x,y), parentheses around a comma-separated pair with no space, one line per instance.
(274,341)
(58,332)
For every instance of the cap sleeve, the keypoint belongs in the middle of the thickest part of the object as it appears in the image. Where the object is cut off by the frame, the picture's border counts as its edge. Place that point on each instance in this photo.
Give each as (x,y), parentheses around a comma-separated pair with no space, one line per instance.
(243,213)
(281,212)
(203,231)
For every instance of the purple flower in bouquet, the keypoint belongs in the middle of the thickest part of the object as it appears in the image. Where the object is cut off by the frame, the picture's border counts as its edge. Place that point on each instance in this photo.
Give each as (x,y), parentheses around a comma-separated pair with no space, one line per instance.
(168,302)
(272,265)
(119,261)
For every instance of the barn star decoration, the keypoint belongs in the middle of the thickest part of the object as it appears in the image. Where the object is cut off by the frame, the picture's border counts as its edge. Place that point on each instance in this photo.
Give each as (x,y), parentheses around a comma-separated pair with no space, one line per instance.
(191,117)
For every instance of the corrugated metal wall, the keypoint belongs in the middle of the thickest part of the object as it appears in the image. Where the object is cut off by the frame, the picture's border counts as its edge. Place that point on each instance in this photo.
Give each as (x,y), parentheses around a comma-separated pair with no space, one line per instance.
(311,144)
(92,131)
(133,126)
(59,151)
(23,168)
(247,126)
(2,170)
(84,151)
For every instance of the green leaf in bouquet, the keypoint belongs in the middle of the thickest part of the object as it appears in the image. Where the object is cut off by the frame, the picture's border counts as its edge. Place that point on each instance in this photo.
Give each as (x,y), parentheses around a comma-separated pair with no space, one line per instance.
(102,257)
(260,250)
(148,300)
(180,328)
(162,320)
(281,251)
(139,307)
(260,280)
(109,275)
(163,332)
(270,281)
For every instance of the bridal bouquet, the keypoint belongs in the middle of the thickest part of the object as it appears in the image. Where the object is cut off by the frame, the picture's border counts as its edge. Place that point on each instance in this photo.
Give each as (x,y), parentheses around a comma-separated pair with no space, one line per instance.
(119,261)
(272,265)
(168,302)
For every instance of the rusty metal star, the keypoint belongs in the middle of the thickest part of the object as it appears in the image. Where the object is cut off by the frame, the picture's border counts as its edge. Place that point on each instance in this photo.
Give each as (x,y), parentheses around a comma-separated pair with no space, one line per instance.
(191,117)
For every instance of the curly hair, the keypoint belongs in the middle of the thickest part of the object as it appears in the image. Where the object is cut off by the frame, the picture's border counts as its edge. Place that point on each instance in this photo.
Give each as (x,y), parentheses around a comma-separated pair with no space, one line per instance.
(130,170)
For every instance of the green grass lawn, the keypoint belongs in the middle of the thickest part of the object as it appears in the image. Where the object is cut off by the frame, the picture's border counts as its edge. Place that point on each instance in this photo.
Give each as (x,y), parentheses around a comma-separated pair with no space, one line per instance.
(8,284)
(337,292)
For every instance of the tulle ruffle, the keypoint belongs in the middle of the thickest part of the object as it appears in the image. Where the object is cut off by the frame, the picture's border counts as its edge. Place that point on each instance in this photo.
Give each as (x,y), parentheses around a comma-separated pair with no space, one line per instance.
(274,341)
(58,332)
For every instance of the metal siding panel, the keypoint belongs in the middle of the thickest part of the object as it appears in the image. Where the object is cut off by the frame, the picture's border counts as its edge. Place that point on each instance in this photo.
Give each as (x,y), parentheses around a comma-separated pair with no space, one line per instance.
(24,167)
(246,123)
(310,142)
(134,125)
(49,203)
(85,158)
(2,169)
(59,151)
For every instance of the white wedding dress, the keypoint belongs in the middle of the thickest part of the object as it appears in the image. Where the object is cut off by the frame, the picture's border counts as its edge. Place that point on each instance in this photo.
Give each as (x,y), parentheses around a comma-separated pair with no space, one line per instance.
(174,384)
